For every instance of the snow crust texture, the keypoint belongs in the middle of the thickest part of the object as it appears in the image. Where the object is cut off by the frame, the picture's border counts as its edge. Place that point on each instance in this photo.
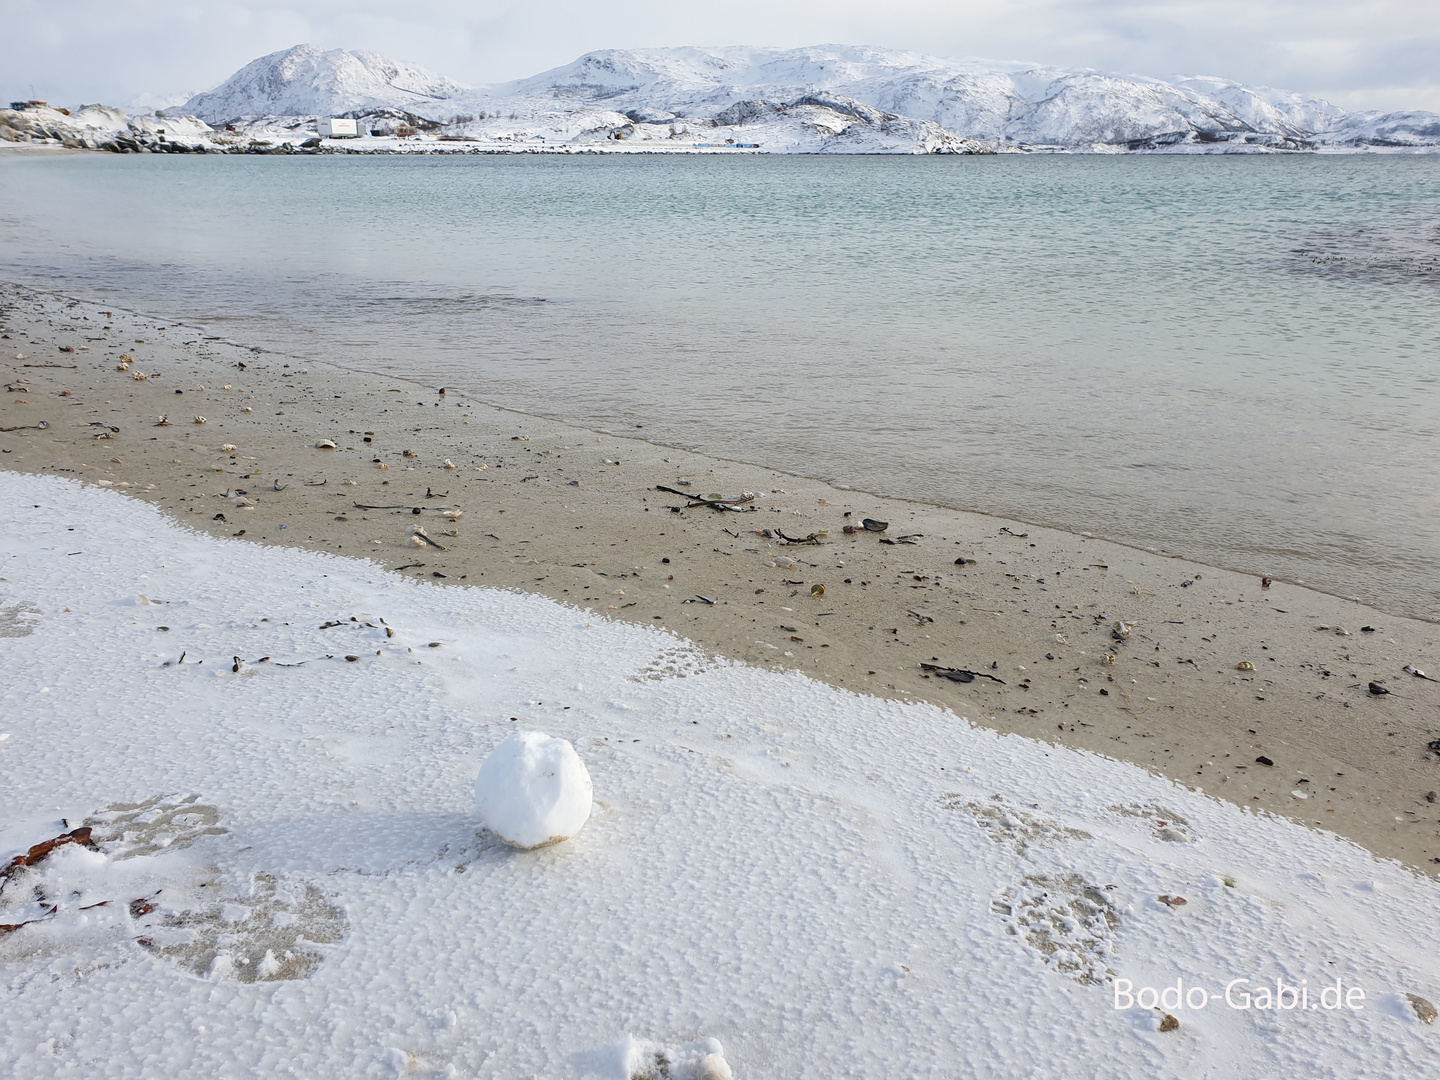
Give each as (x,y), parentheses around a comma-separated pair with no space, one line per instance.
(533,791)
(239,838)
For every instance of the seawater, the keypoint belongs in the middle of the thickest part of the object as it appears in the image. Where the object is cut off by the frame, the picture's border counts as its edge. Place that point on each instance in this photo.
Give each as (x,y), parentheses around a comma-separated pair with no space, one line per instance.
(1230,358)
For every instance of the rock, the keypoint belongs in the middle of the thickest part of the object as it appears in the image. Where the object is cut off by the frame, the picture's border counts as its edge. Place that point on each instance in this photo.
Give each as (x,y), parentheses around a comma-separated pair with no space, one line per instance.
(533,790)
(1424,1011)
(1168,1022)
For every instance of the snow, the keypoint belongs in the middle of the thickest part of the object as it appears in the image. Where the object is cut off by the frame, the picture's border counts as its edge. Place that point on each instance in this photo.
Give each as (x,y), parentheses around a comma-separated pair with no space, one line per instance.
(1395,129)
(533,791)
(306,81)
(99,127)
(818,99)
(289,876)
(1001,102)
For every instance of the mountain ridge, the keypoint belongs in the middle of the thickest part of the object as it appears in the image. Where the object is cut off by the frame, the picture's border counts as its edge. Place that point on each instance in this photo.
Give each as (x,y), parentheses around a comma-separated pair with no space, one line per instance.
(1005,103)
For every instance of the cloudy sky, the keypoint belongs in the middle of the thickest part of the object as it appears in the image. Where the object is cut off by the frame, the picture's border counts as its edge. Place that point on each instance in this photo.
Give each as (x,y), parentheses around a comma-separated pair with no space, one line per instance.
(1376,54)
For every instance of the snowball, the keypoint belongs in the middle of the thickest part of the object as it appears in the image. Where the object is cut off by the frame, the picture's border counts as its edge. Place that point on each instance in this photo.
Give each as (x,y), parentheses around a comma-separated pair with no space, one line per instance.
(533,790)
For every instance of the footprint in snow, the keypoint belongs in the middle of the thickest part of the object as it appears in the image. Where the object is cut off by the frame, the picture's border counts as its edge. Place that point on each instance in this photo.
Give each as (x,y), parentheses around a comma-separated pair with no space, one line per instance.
(161,823)
(269,933)
(1169,826)
(1069,923)
(1005,823)
(18,620)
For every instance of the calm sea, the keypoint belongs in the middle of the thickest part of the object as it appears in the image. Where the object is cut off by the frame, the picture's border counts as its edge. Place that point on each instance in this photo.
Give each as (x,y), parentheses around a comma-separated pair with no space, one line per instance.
(1236,359)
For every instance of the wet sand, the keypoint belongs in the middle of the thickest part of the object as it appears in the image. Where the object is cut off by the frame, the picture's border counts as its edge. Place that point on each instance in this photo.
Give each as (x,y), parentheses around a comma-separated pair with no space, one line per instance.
(576,515)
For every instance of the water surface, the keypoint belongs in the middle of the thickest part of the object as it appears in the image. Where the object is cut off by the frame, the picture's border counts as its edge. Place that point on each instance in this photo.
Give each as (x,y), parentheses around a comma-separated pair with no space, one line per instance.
(1229,358)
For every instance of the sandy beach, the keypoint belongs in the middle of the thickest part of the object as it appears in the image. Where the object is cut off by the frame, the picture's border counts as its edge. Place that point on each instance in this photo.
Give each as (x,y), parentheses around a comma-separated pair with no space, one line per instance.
(1261,696)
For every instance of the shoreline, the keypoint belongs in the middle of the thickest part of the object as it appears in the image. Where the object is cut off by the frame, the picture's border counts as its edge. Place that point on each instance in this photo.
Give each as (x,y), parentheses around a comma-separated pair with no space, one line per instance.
(573,514)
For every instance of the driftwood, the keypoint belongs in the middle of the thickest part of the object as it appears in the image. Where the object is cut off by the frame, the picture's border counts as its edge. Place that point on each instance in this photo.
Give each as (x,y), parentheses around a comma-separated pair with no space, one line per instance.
(813,539)
(960,675)
(738,506)
(37,854)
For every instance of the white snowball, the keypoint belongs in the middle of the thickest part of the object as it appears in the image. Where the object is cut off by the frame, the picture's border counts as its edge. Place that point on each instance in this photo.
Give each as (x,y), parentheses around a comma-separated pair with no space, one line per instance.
(533,790)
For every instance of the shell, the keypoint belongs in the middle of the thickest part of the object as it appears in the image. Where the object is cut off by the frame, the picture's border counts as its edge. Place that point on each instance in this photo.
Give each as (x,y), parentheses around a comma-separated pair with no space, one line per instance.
(325,444)
(1244,665)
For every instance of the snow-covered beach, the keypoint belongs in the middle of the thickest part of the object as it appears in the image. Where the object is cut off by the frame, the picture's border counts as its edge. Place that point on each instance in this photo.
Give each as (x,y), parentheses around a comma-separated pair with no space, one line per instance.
(491,589)
(288,877)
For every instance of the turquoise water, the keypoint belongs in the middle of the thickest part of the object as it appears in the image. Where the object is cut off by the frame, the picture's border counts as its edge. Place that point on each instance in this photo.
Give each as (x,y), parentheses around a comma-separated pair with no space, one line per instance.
(1230,358)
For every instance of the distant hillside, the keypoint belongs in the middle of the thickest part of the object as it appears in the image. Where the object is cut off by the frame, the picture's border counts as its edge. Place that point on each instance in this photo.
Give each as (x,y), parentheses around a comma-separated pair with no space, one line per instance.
(1007,105)
(306,81)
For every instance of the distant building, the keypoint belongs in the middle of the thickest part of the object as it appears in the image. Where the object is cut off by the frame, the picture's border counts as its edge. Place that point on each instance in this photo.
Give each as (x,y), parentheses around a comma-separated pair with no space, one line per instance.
(335,127)
(18,106)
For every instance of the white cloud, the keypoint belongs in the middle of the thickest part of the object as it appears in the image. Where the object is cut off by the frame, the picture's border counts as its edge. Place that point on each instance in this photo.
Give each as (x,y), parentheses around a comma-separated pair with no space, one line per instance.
(1380,54)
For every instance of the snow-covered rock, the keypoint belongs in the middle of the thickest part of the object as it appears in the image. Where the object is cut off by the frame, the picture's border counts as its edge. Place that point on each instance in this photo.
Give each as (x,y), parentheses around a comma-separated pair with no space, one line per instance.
(99,127)
(1393,129)
(307,81)
(533,790)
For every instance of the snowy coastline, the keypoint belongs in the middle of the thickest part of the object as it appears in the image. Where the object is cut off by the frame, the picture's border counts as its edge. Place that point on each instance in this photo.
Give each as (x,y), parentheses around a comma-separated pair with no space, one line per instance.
(822,99)
(820,881)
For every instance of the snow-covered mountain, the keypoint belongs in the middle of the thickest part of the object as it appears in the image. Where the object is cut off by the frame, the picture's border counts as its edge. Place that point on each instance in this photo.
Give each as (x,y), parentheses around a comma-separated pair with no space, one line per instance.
(1387,129)
(306,81)
(811,124)
(652,90)
(999,102)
